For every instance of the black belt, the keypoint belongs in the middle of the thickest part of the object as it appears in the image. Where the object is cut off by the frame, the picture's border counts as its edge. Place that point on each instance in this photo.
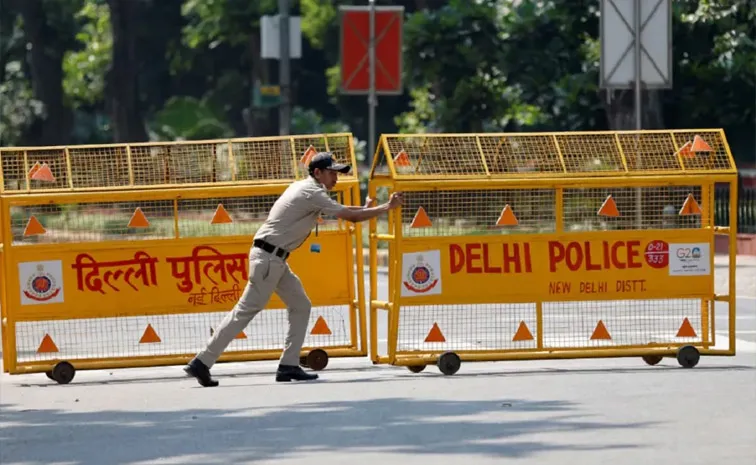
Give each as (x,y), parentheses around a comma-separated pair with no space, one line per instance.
(270,248)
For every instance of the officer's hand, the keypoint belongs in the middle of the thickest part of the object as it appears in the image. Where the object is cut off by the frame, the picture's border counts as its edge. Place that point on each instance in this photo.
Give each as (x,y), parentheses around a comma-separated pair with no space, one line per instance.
(397,198)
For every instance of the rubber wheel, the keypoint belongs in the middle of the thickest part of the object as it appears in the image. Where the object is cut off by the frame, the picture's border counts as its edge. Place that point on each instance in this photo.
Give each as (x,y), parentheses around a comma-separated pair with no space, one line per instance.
(317,359)
(63,373)
(303,362)
(652,359)
(688,356)
(49,375)
(449,363)
(416,368)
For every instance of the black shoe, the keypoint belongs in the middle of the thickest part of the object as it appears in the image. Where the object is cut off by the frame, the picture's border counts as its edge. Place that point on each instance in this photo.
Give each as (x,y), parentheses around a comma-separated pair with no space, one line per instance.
(200,371)
(293,373)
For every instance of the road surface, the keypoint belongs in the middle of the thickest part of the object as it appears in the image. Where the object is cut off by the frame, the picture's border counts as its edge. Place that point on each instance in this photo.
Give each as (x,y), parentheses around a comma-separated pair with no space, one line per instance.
(605,411)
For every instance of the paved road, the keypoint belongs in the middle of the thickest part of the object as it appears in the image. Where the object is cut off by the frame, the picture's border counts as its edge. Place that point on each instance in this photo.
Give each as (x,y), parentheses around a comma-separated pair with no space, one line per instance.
(546,412)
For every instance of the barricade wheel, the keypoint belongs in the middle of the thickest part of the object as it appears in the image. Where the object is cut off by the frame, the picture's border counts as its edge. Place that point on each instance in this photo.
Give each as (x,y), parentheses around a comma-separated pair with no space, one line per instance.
(317,359)
(688,356)
(49,375)
(652,359)
(303,362)
(416,368)
(449,363)
(63,372)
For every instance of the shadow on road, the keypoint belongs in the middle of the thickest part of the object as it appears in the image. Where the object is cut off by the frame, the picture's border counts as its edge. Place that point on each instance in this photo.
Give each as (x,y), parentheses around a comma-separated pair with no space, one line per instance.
(398,425)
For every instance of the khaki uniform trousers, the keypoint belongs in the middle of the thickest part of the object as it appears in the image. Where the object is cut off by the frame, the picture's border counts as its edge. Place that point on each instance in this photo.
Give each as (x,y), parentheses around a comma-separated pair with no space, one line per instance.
(267,274)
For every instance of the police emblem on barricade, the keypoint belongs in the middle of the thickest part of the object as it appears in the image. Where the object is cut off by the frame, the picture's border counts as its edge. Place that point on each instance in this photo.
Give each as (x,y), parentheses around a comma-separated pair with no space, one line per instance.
(40,284)
(420,274)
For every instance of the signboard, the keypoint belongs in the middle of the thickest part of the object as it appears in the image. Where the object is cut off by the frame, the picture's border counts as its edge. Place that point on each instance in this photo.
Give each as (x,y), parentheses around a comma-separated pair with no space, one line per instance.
(153,277)
(266,96)
(580,266)
(270,37)
(618,43)
(355,50)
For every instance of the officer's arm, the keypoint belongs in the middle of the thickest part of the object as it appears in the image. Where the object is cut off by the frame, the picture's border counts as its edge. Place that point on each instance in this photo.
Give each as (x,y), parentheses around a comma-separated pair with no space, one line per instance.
(325,204)
(358,214)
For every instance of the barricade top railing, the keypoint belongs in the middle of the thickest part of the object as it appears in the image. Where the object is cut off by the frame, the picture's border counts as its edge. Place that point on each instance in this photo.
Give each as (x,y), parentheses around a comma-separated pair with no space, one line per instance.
(239,161)
(422,157)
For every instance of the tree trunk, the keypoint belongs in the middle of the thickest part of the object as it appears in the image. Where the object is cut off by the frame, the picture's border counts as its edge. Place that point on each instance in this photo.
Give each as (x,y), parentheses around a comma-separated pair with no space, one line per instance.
(46,66)
(122,78)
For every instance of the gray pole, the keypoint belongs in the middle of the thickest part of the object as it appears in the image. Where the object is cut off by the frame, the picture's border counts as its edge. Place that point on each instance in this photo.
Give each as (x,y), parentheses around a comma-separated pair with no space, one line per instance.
(371,95)
(284,116)
(638,103)
(638,108)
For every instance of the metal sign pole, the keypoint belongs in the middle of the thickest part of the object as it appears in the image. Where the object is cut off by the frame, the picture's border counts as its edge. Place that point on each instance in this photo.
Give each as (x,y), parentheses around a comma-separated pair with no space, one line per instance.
(284,118)
(638,106)
(371,95)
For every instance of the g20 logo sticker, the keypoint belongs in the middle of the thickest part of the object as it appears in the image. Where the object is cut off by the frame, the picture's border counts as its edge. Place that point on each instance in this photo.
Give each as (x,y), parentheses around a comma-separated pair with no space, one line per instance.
(694,253)
(690,259)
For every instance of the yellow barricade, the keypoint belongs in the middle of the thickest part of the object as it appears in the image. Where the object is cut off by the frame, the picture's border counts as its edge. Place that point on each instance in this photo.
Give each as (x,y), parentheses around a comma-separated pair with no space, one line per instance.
(129,255)
(548,246)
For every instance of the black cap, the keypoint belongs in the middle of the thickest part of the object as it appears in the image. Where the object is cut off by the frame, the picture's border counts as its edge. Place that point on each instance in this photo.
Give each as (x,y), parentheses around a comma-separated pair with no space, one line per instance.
(324,161)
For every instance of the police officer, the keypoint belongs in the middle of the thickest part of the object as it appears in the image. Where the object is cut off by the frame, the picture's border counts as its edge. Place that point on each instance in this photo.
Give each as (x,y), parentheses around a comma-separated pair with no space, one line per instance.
(288,225)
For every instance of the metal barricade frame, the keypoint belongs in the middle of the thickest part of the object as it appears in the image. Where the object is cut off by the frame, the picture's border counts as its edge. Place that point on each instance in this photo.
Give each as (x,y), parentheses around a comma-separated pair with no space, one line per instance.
(435,168)
(148,239)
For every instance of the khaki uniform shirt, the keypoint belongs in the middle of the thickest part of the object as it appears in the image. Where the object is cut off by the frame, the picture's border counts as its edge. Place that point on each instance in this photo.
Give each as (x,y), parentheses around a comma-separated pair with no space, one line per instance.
(296,212)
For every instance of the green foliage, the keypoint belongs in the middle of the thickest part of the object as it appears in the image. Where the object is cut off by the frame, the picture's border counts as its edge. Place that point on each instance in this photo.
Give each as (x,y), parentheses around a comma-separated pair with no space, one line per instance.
(18,108)
(84,70)
(318,17)
(188,118)
(453,53)
(211,22)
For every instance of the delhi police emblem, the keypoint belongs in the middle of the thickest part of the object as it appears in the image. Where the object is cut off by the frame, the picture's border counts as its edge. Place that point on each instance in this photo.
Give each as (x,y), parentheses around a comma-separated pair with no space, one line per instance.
(420,277)
(41,286)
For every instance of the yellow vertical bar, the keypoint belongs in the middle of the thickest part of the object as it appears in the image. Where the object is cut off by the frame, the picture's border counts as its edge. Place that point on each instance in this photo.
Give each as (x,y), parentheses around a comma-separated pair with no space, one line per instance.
(69,171)
(4,330)
(559,152)
(705,338)
(706,209)
(482,155)
(706,202)
(2,176)
(9,326)
(26,170)
(294,160)
(677,152)
(231,160)
(539,324)
(357,235)
(130,163)
(621,151)
(559,212)
(373,270)
(347,200)
(712,324)
(390,159)
(176,233)
(733,258)
(395,278)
